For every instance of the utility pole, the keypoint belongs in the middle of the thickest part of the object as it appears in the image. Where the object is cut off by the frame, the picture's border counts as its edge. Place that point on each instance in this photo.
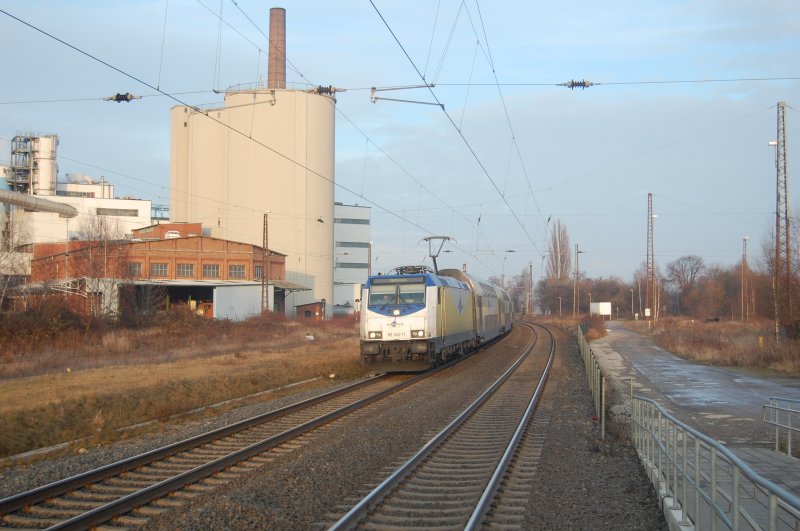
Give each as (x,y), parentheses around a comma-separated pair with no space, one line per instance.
(576,284)
(265,267)
(782,279)
(650,284)
(66,254)
(745,306)
(530,290)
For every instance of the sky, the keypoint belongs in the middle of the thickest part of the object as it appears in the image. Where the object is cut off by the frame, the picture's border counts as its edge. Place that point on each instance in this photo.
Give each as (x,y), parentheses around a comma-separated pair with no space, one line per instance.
(682,106)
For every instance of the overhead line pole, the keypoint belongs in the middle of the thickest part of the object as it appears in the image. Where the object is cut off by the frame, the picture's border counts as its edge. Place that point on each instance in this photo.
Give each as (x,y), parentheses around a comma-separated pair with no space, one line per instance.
(745,306)
(576,287)
(783,239)
(650,284)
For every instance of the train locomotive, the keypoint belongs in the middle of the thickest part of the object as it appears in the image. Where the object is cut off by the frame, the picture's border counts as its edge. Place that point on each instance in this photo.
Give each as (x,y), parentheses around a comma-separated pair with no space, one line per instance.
(414,318)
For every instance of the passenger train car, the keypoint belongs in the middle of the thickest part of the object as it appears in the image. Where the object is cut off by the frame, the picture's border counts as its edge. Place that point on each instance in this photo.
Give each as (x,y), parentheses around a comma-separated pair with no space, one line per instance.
(414,319)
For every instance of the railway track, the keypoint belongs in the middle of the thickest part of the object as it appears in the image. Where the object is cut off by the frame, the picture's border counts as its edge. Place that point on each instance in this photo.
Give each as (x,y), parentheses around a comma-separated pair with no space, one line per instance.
(129,492)
(476,469)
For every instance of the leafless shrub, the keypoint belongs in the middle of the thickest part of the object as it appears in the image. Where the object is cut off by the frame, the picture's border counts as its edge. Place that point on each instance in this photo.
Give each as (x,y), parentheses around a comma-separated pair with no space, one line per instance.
(595,327)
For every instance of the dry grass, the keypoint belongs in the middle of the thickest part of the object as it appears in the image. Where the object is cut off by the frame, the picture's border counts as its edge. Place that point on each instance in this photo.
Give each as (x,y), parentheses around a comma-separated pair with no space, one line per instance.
(725,343)
(59,393)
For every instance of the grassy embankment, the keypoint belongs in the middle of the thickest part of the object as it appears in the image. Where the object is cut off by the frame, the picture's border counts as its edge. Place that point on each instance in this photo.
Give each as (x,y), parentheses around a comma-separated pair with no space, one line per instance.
(78,383)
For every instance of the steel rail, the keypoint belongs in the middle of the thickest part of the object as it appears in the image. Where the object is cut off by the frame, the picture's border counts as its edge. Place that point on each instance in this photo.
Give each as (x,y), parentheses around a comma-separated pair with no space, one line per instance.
(126,503)
(494,483)
(357,512)
(137,499)
(51,490)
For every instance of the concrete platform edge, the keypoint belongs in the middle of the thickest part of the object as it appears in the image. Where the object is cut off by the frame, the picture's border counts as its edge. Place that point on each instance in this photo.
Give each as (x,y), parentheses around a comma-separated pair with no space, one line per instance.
(672,516)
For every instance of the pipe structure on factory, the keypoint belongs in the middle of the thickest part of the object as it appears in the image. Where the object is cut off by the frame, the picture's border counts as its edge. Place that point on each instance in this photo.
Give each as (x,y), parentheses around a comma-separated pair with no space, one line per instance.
(32,202)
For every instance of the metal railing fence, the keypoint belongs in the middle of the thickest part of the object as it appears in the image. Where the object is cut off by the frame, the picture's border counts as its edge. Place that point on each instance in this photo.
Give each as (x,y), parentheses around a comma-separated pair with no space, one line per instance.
(597,381)
(784,414)
(702,480)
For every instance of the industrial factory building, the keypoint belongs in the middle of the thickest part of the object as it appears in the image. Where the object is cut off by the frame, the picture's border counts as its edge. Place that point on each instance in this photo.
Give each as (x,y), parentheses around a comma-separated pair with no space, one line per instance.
(32,179)
(256,171)
(260,169)
(352,256)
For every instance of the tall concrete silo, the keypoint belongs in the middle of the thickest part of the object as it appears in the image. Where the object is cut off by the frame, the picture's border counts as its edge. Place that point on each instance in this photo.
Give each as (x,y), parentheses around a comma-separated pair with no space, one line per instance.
(267,149)
(33,167)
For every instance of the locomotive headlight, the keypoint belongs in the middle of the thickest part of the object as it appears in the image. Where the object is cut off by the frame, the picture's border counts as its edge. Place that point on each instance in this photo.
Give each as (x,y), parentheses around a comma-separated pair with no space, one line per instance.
(418,333)
(375,335)
(395,312)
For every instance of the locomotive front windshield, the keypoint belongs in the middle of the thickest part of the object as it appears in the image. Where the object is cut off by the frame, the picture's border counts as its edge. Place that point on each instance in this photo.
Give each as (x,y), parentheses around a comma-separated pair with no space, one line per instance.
(397,291)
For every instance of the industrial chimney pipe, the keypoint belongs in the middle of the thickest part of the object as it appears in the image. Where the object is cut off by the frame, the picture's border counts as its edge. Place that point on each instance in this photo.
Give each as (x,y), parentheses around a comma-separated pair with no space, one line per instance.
(276,70)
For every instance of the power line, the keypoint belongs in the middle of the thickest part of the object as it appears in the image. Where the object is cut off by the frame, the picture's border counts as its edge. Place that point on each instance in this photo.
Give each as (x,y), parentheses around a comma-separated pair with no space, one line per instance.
(227,126)
(450,119)
(358,129)
(573,83)
(505,110)
(101,98)
(654,150)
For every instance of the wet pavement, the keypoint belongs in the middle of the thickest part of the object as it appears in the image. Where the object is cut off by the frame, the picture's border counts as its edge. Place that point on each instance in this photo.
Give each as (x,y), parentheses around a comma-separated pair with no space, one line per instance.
(724,403)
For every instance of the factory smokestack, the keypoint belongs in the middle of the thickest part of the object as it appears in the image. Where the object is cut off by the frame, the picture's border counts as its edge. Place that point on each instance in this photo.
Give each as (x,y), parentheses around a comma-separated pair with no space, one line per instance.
(276,71)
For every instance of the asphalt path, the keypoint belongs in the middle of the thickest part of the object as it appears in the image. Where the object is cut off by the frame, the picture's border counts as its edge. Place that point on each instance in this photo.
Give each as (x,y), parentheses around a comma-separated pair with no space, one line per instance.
(724,403)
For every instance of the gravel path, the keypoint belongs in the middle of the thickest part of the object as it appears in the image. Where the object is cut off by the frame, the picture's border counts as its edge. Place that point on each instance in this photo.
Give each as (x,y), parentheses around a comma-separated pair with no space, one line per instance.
(583,485)
(587,483)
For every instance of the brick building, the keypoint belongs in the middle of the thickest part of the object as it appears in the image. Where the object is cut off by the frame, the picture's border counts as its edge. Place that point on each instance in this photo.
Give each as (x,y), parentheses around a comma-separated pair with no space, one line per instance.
(215,277)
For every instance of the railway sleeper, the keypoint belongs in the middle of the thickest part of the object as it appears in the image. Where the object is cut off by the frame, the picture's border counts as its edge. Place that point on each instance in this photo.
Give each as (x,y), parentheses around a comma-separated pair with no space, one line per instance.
(29,522)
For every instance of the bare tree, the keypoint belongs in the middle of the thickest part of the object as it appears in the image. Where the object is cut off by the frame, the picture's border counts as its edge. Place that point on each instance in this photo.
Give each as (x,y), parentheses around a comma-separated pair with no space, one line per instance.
(559,263)
(685,271)
(14,264)
(139,304)
(101,262)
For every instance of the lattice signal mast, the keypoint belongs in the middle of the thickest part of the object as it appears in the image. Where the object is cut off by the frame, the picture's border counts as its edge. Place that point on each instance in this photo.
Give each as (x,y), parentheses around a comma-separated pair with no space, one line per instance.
(650,285)
(783,245)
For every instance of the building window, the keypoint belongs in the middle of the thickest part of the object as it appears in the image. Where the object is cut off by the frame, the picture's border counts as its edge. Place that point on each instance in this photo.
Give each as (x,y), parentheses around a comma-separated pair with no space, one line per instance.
(351,221)
(67,193)
(133,269)
(352,265)
(184,270)
(307,314)
(362,245)
(211,270)
(127,212)
(259,270)
(236,271)
(159,270)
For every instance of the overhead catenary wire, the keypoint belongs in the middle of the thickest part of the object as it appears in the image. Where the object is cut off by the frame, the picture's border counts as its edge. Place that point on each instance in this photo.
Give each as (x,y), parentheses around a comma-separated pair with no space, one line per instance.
(163,42)
(102,98)
(341,113)
(606,83)
(220,122)
(460,134)
(656,149)
(433,32)
(447,44)
(507,115)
